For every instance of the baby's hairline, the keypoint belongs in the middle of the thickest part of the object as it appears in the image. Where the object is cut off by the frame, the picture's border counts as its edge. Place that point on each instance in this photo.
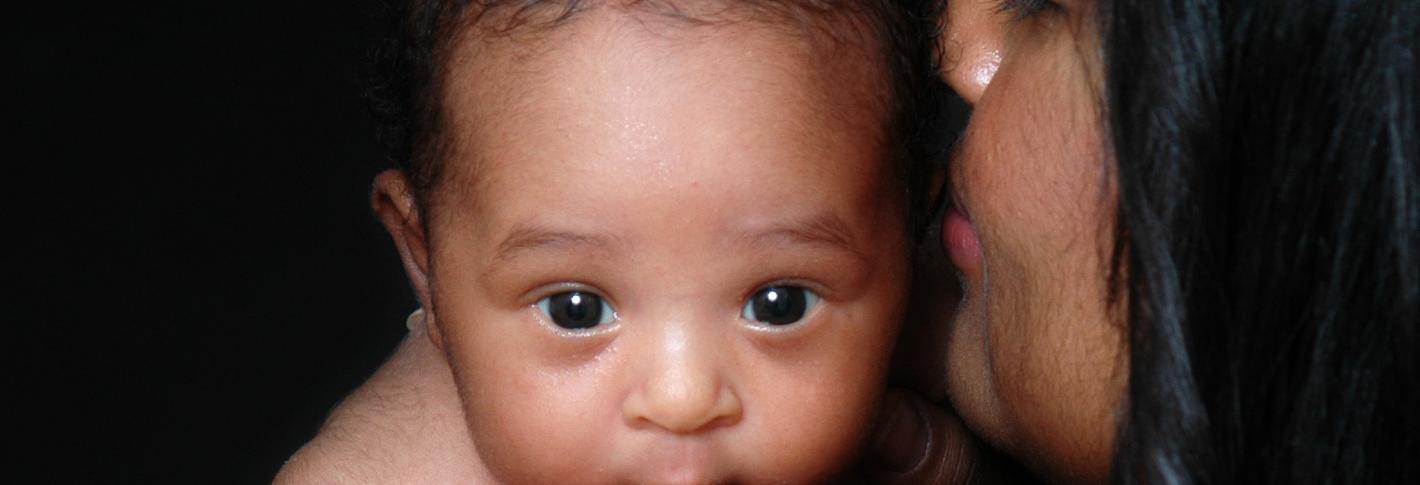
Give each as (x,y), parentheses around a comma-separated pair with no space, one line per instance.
(502,17)
(406,73)
(533,20)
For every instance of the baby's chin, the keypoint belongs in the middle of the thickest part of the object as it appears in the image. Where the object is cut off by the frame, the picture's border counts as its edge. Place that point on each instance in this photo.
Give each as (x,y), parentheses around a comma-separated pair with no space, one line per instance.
(658,458)
(686,463)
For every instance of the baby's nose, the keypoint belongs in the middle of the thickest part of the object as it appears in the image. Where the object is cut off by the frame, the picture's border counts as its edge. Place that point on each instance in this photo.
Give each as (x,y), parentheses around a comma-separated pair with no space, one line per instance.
(683,388)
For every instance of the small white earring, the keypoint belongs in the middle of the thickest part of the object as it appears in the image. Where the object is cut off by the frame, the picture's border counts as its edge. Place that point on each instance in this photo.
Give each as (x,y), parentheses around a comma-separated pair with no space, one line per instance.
(415,320)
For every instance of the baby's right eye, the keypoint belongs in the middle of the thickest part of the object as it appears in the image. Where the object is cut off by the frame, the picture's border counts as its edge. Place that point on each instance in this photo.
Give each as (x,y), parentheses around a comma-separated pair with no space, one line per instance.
(577,310)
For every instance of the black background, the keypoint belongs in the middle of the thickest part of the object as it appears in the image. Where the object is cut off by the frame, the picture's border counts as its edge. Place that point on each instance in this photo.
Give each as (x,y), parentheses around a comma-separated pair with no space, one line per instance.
(196,270)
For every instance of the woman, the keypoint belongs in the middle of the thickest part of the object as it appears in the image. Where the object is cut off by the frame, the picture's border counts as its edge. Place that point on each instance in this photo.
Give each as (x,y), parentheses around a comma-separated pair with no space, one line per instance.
(1188,235)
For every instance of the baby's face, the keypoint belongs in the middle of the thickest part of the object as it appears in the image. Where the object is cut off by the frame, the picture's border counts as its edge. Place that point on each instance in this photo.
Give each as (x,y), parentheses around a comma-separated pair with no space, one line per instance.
(664,254)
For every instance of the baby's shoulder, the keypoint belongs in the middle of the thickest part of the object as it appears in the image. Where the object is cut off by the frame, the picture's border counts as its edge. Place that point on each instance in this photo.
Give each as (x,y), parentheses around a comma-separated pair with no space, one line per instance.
(404,425)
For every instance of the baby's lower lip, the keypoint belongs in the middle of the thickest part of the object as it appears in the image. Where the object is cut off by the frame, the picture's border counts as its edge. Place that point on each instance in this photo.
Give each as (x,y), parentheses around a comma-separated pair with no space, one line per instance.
(679,462)
(959,237)
(679,476)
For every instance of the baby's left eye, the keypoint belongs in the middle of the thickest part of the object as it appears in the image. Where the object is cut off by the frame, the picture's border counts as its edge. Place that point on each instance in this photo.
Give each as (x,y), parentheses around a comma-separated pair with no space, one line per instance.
(779,305)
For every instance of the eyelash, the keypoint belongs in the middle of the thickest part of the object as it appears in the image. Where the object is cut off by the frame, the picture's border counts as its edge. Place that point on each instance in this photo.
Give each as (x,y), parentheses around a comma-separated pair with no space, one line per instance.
(801,282)
(1022,9)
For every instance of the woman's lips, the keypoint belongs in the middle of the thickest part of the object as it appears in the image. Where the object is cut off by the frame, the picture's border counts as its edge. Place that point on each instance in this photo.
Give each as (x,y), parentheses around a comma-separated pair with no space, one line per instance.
(959,237)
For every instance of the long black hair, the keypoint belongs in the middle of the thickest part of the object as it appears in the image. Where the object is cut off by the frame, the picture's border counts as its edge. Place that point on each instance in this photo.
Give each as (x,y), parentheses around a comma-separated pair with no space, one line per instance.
(1269,238)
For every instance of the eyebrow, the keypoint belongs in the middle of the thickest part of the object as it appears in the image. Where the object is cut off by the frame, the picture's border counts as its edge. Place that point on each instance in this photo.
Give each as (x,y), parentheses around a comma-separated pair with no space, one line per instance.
(826,229)
(523,239)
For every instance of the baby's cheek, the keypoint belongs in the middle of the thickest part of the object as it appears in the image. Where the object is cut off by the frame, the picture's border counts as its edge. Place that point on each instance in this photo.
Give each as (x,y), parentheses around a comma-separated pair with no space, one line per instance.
(815,409)
(535,414)
(815,437)
(538,426)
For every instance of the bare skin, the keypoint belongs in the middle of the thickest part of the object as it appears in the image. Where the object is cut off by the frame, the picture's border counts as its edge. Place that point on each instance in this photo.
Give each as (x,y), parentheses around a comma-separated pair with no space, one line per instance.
(401,426)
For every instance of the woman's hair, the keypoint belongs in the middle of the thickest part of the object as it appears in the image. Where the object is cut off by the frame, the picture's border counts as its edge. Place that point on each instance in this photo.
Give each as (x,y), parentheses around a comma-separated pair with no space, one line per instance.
(1268,161)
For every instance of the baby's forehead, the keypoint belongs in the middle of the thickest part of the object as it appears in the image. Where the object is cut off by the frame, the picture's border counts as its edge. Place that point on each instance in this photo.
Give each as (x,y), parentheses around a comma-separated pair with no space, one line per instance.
(617,97)
(606,71)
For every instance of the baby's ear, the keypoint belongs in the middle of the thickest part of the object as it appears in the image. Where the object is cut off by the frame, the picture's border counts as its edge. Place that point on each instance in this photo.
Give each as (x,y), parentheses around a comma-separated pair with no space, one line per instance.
(394,204)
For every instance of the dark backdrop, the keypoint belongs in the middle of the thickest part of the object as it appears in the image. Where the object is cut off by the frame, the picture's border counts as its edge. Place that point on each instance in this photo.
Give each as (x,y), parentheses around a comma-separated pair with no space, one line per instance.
(197,273)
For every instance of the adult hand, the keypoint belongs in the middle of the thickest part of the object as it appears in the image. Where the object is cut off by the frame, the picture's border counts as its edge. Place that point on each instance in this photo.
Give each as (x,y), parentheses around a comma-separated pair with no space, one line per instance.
(918,440)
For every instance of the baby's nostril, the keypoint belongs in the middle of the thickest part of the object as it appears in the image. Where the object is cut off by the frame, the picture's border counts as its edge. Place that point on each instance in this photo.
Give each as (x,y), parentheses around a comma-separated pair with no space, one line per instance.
(683,409)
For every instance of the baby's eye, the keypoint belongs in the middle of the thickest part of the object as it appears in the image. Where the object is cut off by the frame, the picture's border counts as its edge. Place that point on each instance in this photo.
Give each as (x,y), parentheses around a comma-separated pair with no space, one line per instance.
(577,310)
(779,305)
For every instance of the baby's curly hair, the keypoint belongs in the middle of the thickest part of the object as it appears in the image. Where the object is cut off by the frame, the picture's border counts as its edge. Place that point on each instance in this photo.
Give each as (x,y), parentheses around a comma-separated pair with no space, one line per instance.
(405,79)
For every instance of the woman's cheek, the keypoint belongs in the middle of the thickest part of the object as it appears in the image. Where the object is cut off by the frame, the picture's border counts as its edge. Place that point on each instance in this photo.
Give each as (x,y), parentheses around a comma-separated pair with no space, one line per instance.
(1045,350)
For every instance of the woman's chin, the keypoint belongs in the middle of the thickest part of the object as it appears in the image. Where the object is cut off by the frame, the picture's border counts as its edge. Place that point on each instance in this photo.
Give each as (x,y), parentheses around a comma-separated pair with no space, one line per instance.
(970,378)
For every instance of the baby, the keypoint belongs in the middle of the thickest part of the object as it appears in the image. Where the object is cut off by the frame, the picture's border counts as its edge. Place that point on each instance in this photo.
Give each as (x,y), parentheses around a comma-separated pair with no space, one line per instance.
(661,241)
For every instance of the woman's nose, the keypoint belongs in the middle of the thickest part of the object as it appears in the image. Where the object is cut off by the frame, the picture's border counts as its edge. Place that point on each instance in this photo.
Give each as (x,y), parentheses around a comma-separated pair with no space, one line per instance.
(682,387)
(973,39)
